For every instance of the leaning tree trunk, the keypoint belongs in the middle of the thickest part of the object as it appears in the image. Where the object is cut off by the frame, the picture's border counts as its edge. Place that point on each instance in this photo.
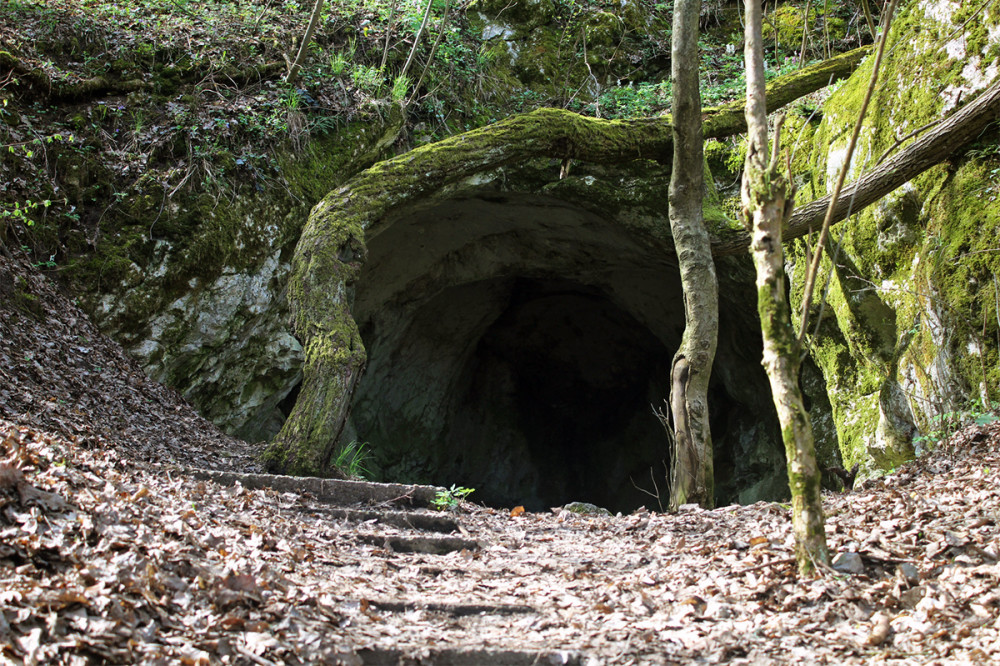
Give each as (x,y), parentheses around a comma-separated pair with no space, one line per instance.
(768,195)
(937,145)
(293,69)
(691,477)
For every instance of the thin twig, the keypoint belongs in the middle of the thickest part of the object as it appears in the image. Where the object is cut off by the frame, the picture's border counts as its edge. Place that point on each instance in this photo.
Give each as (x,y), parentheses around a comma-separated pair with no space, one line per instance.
(996,291)
(868,17)
(267,6)
(805,34)
(430,58)
(388,33)
(961,28)
(764,565)
(416,38)
(835,255)
(899,142)
(597,84)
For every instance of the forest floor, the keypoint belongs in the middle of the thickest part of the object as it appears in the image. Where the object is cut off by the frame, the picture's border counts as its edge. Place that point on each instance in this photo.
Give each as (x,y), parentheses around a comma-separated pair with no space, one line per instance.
(111,553)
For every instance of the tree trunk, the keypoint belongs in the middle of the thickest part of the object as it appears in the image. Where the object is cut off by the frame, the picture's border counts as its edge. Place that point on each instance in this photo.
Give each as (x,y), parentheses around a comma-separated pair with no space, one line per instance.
(416,38)
(691,470)
(293,70)
(767,196)
(932,148)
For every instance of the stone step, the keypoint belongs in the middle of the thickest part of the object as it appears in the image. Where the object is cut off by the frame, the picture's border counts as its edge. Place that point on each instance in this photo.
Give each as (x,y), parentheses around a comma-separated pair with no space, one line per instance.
(456,610)
(407,520)
(344,494)
(419,544)
(330,491)
(469,657)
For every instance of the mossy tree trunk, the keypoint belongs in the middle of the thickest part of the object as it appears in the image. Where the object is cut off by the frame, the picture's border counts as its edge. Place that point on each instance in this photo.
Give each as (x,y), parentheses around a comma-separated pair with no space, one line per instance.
(767,196)
(331,250)
(691,475)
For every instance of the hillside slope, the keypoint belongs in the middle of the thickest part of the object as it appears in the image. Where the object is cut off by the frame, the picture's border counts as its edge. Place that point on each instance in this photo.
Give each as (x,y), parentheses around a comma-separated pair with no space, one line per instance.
(58,372)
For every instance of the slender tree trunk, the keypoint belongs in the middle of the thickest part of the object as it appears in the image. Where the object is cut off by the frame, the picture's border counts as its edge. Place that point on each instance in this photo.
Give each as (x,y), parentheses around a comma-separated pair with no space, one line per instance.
(767,196)
(388,34)
(293,71)
(691,472)
(430,58)
(416,38)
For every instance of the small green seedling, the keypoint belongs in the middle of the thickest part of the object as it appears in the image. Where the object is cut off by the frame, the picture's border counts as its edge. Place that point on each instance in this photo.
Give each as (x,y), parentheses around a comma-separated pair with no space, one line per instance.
(448,500)
(352,460)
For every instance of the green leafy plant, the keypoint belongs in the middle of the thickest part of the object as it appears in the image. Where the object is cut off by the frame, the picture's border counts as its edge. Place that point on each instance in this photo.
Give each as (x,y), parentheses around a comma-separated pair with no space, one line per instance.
(368,79)
(945,424)
(20,213)
(341,60)
(635,100)
(400,86)
(449,499)
(352,458)
(292,99)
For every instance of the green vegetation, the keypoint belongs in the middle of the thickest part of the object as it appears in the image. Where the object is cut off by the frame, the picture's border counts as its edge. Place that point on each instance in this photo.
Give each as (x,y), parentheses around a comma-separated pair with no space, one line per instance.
(451,498)
(352,460)
(944,425)
(179,108)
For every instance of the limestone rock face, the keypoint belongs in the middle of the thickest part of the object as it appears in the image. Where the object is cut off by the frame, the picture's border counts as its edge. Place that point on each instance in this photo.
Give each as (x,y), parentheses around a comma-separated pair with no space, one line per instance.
(910,334)
(226,343)
(530,39)
(206,313)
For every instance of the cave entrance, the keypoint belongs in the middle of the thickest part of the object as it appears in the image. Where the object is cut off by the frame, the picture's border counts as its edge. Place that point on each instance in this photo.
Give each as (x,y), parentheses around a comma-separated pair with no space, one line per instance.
(519,344)
(558,392)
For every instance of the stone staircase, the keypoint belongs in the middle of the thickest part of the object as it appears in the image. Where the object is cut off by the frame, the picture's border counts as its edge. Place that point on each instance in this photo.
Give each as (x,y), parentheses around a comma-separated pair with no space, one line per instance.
(404,509)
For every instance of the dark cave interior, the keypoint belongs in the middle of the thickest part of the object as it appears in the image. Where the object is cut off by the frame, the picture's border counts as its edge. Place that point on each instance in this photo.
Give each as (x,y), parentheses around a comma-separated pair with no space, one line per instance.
(519,345)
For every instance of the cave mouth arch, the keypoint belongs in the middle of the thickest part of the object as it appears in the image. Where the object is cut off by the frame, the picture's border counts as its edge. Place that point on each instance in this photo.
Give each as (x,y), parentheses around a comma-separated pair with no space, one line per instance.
(519,343)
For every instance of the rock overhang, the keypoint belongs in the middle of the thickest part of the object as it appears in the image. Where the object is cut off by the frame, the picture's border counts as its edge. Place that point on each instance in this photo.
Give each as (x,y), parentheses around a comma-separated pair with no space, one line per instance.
(519,335)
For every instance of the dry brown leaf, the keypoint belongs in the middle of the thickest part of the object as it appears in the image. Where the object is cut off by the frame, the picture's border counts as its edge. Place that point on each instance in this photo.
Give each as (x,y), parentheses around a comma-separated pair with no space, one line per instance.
(880,630)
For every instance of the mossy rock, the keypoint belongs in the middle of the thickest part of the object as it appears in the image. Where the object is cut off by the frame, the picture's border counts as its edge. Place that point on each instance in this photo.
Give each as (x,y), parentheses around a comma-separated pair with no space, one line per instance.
(914,332)
(604,29)
(527,13)
(586,509)
(784,26)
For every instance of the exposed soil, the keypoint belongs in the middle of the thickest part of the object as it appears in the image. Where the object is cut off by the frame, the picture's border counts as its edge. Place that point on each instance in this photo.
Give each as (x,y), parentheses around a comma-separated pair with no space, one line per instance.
(111,552)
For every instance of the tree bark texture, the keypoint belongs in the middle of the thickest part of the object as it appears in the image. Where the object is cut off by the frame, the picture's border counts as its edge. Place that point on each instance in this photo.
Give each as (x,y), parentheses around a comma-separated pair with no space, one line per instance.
(959,129)
(767,197)
(691,470)
(331,249)
(293,70)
